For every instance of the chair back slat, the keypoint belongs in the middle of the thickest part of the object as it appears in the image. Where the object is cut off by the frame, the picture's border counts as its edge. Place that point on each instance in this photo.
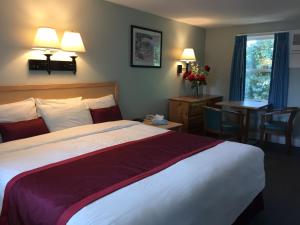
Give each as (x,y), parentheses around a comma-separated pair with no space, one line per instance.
(212,119)
(292,117)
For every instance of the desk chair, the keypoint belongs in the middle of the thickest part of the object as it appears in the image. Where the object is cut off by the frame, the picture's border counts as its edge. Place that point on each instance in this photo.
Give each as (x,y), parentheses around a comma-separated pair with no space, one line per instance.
(223,122)
(272,125)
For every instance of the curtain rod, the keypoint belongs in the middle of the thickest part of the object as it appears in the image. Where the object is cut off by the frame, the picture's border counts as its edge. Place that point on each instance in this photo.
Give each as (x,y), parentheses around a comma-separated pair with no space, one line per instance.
(264,33)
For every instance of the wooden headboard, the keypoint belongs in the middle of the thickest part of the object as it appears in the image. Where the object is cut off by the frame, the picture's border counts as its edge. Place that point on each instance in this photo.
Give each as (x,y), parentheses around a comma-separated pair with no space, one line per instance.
(10,94)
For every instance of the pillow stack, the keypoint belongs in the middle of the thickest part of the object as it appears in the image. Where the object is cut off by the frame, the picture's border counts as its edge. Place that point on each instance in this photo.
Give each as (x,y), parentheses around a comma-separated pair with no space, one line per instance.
(20,120)
(33,117)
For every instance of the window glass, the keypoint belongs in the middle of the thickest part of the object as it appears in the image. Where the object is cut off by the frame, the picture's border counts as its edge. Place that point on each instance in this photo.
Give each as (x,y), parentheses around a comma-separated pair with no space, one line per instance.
(258,67)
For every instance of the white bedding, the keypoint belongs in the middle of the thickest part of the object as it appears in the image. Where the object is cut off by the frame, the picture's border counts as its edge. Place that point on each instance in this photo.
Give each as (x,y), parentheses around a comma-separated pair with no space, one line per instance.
(209,188)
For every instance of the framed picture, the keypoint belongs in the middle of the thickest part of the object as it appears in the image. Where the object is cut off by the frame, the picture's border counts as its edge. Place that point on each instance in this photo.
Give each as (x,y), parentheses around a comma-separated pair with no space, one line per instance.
(146,47)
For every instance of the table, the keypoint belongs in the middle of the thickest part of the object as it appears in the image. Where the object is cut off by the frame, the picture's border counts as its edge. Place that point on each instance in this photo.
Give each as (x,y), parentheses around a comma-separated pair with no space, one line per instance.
(170,126)
(248,106)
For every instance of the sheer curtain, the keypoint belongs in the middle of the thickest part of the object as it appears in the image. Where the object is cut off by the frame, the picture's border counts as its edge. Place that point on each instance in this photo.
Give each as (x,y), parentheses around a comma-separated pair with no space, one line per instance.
(279,85)
(238,69)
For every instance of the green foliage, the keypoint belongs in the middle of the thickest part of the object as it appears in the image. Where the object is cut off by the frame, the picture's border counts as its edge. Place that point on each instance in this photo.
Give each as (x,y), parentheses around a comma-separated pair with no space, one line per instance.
(259,63)
(257,85)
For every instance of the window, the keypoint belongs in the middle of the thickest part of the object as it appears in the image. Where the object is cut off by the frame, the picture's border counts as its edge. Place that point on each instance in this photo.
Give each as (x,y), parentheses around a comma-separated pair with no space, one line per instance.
(259,55)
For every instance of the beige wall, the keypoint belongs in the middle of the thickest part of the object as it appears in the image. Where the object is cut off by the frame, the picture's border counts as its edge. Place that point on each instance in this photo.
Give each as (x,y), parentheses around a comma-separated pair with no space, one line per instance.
(105,29)
(218,53)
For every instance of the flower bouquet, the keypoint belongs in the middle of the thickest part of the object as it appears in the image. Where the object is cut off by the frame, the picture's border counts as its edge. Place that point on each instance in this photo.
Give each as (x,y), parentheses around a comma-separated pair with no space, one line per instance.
(197,75)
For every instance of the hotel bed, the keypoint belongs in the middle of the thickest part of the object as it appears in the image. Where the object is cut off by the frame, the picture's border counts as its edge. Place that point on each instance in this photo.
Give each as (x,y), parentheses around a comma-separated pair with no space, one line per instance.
(211,187)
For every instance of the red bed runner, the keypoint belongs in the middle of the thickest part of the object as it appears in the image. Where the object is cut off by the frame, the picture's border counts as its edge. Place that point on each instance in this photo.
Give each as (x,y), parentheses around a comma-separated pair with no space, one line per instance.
(54,193)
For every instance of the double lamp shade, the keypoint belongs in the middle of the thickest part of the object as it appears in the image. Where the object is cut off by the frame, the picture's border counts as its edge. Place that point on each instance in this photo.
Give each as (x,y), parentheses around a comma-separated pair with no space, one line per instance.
(46,38)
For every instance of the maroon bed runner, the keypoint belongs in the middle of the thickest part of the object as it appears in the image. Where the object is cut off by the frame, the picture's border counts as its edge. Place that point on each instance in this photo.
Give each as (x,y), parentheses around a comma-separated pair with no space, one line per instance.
(54,193)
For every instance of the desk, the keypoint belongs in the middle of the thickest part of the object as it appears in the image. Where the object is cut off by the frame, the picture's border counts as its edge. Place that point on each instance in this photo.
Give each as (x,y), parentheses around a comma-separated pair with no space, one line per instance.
(188,110)
(248,106)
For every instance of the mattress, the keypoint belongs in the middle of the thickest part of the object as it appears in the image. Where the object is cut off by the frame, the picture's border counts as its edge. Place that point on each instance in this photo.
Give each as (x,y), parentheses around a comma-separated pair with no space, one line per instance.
(209,188)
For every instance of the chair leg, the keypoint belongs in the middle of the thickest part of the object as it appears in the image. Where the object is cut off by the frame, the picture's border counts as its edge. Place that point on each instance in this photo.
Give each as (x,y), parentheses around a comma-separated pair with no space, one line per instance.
(240,137)
(262,137)
(220,136)
(288,142)
(266,137)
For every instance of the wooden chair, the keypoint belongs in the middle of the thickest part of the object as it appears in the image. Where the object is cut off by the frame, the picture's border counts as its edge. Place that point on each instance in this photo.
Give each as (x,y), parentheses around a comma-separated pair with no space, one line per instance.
(271,125)
(217,121)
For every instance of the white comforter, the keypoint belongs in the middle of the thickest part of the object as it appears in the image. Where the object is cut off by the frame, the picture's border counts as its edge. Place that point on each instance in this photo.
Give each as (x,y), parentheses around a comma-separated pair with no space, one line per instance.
(209,188)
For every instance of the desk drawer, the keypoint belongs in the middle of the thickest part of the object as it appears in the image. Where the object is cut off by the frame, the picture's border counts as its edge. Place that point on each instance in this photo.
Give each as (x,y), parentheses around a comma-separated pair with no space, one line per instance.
(178,111)
(196,122)
(196,109)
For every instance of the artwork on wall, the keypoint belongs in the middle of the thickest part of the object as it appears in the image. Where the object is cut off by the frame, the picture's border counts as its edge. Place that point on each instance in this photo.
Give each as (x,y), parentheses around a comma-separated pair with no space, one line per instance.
(146,47)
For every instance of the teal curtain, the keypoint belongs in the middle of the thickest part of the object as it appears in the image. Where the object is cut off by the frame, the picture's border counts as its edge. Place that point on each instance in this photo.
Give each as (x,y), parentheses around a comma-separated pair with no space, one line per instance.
(279,85)
(238,69)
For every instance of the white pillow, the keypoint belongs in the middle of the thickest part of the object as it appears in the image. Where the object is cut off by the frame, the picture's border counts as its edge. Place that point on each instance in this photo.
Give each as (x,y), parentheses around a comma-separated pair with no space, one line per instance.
(65,116)
(97,103)
(40,101)
(18,111)
(55,102)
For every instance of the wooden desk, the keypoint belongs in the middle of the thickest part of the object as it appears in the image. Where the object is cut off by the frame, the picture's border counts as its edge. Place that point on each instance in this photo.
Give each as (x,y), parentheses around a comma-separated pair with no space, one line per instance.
(248,106)
(170,126)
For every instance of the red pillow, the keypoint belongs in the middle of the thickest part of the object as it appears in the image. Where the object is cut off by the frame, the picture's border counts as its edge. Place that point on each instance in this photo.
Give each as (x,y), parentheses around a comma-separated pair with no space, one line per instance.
(106,114)
(23,129)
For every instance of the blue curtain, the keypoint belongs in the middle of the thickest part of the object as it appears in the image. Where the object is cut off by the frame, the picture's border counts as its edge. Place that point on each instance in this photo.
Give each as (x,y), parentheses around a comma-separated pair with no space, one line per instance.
(238,69)
(279,85)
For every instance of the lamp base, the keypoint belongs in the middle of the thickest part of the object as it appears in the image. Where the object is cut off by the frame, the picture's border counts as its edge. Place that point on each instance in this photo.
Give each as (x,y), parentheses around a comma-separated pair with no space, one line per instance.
(187,67)
(73,57)
(48,55)
(179,69)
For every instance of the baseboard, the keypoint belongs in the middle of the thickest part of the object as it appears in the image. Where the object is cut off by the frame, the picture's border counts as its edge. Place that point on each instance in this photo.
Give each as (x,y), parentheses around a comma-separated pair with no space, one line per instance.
(281,140)
(278,139)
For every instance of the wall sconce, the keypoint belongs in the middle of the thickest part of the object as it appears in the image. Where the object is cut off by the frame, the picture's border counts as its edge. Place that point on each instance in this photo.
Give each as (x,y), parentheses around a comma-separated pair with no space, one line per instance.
(46,39)
(187,56)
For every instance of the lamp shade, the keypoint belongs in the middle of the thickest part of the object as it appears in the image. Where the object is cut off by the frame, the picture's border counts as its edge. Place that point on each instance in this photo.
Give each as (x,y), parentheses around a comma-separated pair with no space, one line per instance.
(188,55)
(72,42)
(46,38)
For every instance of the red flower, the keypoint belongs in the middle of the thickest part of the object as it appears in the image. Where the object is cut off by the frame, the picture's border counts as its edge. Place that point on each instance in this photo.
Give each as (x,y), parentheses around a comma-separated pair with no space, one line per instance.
(186,75)
(202,77)
(191,77)
(198,77)
(207,68)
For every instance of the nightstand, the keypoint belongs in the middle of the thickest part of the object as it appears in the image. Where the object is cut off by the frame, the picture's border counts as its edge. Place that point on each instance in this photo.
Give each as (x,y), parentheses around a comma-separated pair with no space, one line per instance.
(170,126)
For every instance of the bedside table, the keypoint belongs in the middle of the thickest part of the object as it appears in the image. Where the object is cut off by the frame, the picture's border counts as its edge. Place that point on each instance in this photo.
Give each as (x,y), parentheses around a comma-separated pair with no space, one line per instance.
(170,126)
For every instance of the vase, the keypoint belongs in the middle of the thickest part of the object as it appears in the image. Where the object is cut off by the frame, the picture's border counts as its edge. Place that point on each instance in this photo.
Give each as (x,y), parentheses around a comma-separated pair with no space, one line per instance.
(204,90)
(199,91)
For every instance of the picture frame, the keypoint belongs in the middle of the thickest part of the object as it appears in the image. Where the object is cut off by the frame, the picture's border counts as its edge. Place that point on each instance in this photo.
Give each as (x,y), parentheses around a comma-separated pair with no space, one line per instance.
(146,47)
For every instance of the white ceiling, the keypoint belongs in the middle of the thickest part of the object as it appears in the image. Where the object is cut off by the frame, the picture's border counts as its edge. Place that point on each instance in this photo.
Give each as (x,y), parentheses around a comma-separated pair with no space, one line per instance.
(216,13)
